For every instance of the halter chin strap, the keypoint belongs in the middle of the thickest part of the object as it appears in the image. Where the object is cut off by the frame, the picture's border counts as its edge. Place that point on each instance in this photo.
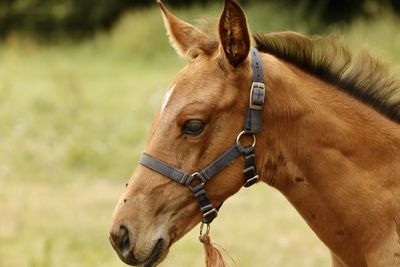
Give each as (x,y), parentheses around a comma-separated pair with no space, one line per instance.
(196,181)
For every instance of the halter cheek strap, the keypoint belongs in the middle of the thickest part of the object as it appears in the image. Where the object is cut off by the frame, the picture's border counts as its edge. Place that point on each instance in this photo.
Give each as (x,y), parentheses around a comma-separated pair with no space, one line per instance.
(253,122)
(196,181)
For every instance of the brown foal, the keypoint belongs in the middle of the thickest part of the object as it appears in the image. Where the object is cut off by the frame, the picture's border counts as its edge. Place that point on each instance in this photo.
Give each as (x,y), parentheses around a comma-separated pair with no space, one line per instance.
(330,141)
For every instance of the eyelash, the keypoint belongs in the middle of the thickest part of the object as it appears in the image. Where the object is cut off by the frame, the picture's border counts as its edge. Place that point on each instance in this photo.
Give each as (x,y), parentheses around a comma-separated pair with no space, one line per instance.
(193,127)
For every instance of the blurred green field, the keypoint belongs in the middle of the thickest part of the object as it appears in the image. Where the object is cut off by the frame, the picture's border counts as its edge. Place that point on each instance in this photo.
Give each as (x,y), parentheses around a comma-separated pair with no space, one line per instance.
(74,118)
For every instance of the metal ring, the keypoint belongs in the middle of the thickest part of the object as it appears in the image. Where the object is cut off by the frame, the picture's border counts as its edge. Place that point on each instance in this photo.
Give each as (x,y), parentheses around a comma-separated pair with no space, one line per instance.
(202,229)
(192,178)
(245,133)
(197,174)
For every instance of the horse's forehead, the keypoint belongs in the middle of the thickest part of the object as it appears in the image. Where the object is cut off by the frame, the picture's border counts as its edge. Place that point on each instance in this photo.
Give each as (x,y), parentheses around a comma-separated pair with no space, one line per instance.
(182,94)
(194,82)
(167,97)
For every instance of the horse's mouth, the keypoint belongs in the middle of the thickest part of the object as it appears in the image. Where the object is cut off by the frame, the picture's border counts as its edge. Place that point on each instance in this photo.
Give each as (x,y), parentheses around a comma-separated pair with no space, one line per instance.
(151,261)
(155,254)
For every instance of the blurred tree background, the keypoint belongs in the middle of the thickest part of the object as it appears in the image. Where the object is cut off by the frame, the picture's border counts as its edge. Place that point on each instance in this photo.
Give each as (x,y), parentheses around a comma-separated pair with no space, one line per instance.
(51,19)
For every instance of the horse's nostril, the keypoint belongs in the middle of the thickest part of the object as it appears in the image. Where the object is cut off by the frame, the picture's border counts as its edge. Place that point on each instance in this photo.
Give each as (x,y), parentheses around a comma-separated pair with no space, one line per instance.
(121,241)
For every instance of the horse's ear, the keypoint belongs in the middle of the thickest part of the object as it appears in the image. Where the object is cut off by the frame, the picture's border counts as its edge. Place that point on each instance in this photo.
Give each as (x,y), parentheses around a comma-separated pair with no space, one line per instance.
(233,33)
(183,36)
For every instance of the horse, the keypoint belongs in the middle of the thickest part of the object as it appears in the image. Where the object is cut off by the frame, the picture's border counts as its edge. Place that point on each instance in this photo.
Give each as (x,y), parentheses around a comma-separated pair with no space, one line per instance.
(321,126)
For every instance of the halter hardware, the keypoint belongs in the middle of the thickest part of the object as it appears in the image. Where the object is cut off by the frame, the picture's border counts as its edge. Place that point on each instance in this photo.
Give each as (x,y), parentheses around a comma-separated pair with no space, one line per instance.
(193,179)
(196,182)
(242,133)
(206,231)
(257,96)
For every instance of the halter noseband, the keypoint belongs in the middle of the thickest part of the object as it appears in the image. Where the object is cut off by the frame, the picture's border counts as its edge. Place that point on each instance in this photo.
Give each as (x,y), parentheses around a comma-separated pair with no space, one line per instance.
(196,181)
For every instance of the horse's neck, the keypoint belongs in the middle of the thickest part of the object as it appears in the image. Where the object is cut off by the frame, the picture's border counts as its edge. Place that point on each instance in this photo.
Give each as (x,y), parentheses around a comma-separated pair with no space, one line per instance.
(335,159)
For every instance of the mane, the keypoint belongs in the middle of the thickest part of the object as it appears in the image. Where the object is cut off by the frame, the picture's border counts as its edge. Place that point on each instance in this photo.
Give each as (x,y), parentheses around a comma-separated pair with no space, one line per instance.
(362,76)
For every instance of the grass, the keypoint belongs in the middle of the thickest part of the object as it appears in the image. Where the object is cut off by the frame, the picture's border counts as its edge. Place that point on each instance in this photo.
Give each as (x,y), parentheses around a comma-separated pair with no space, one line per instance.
(74,118)
(66,225)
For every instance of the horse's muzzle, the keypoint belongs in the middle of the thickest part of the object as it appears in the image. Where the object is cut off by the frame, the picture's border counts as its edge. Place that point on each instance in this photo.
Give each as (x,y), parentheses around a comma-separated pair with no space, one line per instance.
(122,243)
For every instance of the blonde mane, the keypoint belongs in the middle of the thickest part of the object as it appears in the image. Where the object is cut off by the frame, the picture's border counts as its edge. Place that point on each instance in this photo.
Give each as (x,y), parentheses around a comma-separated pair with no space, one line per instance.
(362,76)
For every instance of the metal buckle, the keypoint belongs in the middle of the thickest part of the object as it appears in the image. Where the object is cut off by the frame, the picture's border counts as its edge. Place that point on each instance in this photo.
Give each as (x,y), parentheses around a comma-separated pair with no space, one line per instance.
(251,181)
(257,90)
(198,186)
(210,215)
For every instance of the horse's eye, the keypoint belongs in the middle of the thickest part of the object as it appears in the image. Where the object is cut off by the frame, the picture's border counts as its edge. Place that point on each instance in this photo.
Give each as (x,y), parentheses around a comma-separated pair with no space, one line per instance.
(193,127)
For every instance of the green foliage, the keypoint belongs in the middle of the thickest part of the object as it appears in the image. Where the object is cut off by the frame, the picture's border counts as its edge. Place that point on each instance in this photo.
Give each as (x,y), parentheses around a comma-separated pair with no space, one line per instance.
(71,19)
(330,11)
(52,18)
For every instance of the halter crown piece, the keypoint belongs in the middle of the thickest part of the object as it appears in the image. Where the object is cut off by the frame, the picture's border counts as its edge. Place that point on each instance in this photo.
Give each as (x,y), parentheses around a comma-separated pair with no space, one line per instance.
(196,181)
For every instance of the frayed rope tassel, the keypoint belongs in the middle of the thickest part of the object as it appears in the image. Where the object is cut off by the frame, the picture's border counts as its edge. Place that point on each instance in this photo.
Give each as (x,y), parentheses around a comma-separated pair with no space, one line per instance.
(213,256)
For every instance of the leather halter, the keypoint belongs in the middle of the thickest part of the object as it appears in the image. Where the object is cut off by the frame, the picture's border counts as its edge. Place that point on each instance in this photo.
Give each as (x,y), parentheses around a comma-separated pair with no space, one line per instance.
(196,181)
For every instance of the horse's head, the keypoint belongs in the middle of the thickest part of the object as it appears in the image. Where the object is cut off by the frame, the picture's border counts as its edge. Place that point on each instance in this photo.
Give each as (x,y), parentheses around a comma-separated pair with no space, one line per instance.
(201,115)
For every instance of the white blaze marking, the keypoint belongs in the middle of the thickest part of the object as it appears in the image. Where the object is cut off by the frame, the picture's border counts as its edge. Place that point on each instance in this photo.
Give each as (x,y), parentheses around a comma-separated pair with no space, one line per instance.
(167,97)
